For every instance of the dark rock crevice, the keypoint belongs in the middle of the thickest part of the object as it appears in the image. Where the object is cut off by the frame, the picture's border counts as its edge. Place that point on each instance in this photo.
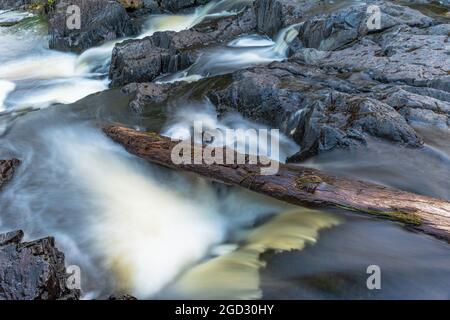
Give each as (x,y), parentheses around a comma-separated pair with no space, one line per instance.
(145,59)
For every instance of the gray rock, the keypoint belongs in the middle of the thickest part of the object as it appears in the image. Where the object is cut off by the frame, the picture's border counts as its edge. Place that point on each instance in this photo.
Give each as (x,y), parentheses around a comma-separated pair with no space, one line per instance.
(318,110)
(146,94)
(32,270)
(166,52)
(399,55)
(16,4)
(333,31)
(417,109)
(101,21)
(176,5)
(7,168)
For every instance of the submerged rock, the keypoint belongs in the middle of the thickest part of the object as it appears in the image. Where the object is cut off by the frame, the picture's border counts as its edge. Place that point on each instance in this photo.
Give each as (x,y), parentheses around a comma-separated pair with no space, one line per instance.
(32,270)
(101,21)
(166,52)
(145,94)
(7,168)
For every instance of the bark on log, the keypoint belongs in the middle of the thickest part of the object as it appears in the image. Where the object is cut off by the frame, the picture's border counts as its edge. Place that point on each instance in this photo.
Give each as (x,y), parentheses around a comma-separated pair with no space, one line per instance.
(301,185)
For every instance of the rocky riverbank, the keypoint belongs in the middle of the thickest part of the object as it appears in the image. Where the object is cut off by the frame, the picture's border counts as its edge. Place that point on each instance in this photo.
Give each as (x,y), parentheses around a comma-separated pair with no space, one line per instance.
(342,85)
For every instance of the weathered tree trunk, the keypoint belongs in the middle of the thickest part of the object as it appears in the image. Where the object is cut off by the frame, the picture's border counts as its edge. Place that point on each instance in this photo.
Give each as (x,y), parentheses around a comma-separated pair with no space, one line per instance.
(301,186)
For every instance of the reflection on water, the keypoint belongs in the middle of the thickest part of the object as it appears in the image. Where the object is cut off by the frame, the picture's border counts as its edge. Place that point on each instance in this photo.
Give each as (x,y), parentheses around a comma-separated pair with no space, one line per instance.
(424,171)
(153,233)
(237,273)
(413,266)
(243,52)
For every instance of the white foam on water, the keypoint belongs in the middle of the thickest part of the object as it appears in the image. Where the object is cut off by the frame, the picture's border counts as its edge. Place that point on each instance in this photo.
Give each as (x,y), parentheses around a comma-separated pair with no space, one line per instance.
(236,271)
(146,232)
(65,91)
(251,41)
(181,125)
(48,65)
(94,62)
(243,52)
(11,16)
(5,88)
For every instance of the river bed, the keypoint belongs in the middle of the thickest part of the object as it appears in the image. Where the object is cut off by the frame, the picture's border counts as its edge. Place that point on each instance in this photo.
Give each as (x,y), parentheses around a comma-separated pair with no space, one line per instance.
(136,228)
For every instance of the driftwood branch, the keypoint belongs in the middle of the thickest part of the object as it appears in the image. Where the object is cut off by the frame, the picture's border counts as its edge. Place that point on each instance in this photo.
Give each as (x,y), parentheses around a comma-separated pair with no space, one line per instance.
(301,186)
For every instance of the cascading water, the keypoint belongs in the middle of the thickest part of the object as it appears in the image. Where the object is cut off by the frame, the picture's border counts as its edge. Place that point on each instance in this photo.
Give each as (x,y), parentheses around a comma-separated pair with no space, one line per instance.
(243,52)
(182,123)
(74,77)
(136,228)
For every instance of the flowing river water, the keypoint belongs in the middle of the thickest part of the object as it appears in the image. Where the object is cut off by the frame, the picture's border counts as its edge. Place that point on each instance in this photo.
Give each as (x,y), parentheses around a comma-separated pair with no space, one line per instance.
(137,228)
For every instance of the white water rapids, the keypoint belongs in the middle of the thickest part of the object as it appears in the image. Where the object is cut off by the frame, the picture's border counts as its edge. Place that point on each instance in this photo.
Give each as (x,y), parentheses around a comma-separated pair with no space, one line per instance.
(136,228)
(118,215)
(43,77)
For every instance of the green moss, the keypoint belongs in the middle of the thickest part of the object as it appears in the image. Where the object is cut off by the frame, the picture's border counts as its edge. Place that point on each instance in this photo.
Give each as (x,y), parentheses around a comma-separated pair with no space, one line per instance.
(302,180)
(400,216)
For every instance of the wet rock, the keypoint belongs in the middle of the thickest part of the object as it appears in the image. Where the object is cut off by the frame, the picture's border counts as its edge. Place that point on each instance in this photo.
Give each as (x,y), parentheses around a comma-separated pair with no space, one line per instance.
(274,15)
(140,9)
(101,21)
(400,55)
(415,108)
(146,94)
(318,110)
(335,30)
(7,168)
(167,52)
(339,21)
(409,48)
(176,5)
(32,270)
(16,4)
(131,4)
(122,297)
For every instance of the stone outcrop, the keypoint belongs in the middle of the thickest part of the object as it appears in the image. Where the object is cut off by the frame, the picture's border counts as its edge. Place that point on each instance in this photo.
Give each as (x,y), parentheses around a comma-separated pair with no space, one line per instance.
(101,21)
(317,109)
(32,270)
(143,60)
(343,86)
(7,168)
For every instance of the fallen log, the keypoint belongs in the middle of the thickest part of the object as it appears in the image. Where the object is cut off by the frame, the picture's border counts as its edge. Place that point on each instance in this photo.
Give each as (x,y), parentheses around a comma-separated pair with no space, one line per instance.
(301,185)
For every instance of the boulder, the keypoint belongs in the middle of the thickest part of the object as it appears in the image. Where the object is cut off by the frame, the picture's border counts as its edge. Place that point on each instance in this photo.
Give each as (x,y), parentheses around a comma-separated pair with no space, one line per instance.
(408,48)
(16,4)
(417,109)
(101,21)
(144,95)
(317,109)
(333,31)
(325,19)
(7,168)
(177,5)
(145,59)
(131,4)
(32,270)
(274,15)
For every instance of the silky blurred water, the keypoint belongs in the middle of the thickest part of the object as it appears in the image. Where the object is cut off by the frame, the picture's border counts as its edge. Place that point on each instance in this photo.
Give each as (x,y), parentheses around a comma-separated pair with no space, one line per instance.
(137,228)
